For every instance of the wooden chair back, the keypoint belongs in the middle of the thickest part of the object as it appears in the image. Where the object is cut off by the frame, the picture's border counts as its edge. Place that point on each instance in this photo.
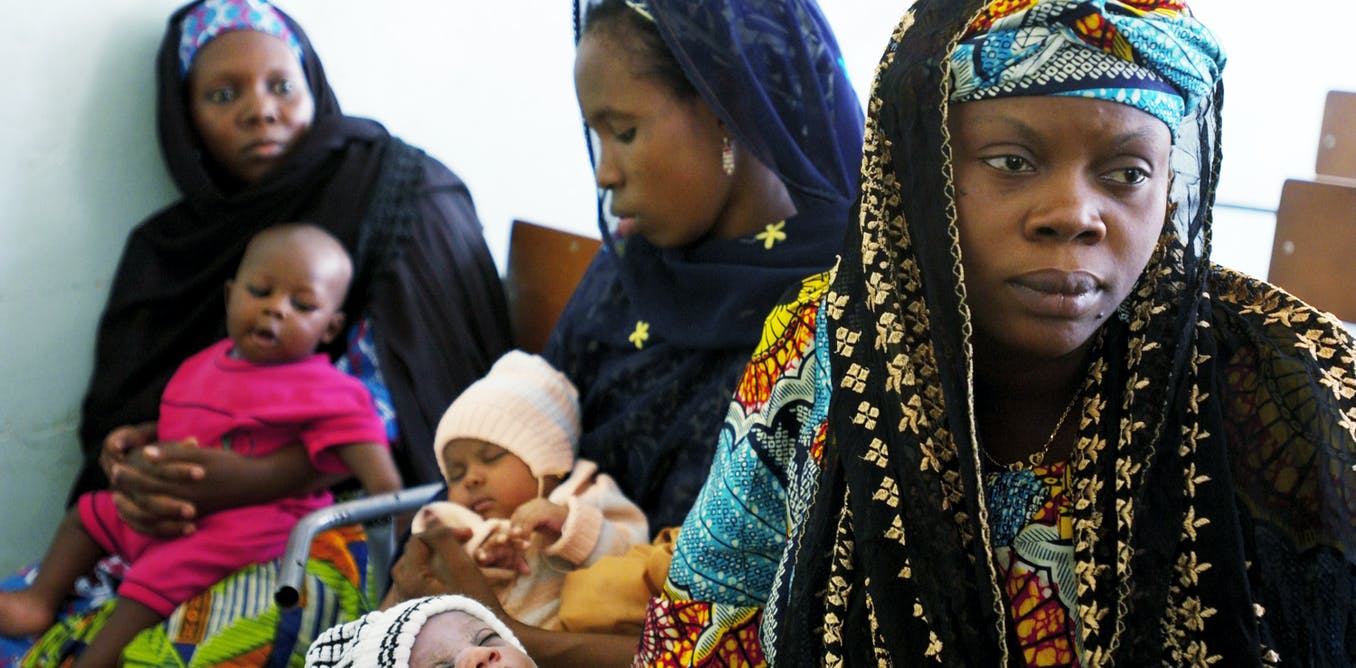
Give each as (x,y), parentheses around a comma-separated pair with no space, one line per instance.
(1314,253)
(1337,140)
(544,266)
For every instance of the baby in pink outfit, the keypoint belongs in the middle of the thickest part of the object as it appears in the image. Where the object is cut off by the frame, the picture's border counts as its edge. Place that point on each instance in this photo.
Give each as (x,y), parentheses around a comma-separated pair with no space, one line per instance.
(260,389)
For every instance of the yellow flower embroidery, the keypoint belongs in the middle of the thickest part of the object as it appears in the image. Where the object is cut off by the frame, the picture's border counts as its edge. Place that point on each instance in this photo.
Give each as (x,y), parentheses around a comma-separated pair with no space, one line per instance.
(640,335)
(772,235)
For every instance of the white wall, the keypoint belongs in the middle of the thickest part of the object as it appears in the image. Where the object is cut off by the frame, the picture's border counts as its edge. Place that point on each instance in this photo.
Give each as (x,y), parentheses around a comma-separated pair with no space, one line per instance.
(80,165)
(484,86)
(1279,72)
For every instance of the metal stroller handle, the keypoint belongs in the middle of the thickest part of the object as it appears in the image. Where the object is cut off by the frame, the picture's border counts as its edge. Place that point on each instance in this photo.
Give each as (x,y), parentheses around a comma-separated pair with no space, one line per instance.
(380,536)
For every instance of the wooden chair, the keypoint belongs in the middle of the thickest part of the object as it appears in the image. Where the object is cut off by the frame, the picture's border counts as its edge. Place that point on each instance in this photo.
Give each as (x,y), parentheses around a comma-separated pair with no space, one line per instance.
(1337,140)
(1313,255)
(544,266)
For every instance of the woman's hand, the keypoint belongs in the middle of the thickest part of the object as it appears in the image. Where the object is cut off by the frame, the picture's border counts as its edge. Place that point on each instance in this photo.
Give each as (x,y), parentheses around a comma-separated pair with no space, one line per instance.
(149,488)
(435,562)
(123,440)
(412,576)
(161,487)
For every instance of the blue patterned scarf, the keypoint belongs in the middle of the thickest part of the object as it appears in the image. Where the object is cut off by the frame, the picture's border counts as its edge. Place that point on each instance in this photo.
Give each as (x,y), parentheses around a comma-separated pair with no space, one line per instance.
(214,18)
(1151,55)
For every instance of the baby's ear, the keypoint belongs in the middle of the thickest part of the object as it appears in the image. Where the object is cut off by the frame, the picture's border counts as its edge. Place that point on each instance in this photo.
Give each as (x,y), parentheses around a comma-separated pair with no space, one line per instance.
(332,329)
(230,283)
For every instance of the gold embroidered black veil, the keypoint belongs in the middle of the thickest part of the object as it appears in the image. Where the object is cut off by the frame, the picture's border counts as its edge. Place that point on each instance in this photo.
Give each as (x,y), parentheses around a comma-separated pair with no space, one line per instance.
(1213,490)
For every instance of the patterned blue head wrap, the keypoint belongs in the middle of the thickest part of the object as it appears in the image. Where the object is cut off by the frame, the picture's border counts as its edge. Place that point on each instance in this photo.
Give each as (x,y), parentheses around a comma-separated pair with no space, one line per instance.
(1152,55)
(217,17)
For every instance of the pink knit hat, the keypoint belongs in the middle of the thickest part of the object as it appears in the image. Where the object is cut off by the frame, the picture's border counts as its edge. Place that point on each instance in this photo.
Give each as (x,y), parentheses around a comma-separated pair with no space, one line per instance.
(522,405)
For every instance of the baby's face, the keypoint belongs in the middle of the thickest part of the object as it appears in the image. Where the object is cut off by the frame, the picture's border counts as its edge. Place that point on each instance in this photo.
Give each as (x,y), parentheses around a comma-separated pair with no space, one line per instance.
(486,478)
(457,640)
(285,299)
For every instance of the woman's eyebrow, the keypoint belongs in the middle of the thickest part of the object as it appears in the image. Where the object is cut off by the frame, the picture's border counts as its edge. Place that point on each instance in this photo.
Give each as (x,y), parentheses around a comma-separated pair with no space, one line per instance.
(1138,134)
(1030,134)
(608,114)
(1013,123)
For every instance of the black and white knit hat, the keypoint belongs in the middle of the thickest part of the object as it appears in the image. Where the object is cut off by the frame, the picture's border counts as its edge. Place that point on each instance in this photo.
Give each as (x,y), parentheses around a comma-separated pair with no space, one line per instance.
(384,638)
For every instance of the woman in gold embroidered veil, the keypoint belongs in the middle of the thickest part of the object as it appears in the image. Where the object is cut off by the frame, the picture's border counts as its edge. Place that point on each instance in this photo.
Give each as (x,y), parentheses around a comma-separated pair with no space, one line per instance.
(1026,421)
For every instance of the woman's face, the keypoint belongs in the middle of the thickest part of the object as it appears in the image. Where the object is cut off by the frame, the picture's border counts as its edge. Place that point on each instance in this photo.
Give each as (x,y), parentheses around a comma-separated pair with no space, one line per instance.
(658,154)
(1060,202)
(460,640)
(250,102)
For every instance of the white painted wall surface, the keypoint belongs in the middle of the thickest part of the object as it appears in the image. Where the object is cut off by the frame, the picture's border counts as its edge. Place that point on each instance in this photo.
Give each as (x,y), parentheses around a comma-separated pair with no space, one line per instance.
(484,86)
(80,166)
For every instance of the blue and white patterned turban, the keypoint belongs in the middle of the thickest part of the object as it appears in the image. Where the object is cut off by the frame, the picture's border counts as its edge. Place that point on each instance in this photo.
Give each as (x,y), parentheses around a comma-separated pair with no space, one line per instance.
(213,18)
(1152,55)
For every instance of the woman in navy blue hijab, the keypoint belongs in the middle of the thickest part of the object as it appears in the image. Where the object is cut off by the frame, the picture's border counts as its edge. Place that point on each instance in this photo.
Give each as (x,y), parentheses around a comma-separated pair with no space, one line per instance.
(725,138)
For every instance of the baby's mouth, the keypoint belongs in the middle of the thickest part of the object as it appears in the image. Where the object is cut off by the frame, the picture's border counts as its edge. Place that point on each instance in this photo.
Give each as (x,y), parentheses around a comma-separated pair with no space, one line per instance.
(265,336)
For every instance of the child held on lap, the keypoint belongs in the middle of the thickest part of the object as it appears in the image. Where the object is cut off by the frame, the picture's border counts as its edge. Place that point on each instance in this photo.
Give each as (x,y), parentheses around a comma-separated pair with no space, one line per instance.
(506,447)
(260,389)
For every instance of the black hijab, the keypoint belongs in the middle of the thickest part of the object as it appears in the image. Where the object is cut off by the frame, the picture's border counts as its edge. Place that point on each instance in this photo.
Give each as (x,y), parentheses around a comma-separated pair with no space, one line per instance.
(1212,481)
(423,276)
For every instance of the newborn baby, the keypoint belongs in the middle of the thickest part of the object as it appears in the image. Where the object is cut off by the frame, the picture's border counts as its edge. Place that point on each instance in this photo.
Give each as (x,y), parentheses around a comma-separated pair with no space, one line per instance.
(421,633)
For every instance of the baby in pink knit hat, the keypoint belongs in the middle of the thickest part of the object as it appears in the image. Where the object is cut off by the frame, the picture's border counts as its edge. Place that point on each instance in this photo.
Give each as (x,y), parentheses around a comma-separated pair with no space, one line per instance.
(506,448)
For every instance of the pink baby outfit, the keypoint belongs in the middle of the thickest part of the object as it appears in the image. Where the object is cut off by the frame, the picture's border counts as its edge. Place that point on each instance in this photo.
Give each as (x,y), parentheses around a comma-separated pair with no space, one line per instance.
(601,522)
(253,410)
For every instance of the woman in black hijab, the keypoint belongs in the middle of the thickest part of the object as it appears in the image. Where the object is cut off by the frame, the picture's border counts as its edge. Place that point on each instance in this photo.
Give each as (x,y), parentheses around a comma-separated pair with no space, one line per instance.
(1026,421)
(426,300)
(253,136)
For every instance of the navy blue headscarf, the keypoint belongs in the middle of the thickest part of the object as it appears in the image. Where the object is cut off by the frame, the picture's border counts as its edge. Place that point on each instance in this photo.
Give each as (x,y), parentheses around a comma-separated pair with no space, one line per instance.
(772,72)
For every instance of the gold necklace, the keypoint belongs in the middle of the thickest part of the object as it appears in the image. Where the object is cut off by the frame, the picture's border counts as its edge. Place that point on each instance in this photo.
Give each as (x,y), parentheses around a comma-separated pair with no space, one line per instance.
(1038,457)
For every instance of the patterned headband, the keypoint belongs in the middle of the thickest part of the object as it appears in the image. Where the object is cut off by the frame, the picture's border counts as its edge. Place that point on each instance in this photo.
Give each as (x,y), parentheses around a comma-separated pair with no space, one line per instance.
(1149,54)
(218,17)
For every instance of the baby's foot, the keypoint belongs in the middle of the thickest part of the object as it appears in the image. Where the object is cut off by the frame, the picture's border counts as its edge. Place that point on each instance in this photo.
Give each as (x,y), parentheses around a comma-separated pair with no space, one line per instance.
(24,613)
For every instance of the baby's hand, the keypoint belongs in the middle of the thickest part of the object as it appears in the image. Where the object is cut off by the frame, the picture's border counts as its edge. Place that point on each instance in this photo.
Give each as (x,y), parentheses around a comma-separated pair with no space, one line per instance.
(503,549)
(540,516)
